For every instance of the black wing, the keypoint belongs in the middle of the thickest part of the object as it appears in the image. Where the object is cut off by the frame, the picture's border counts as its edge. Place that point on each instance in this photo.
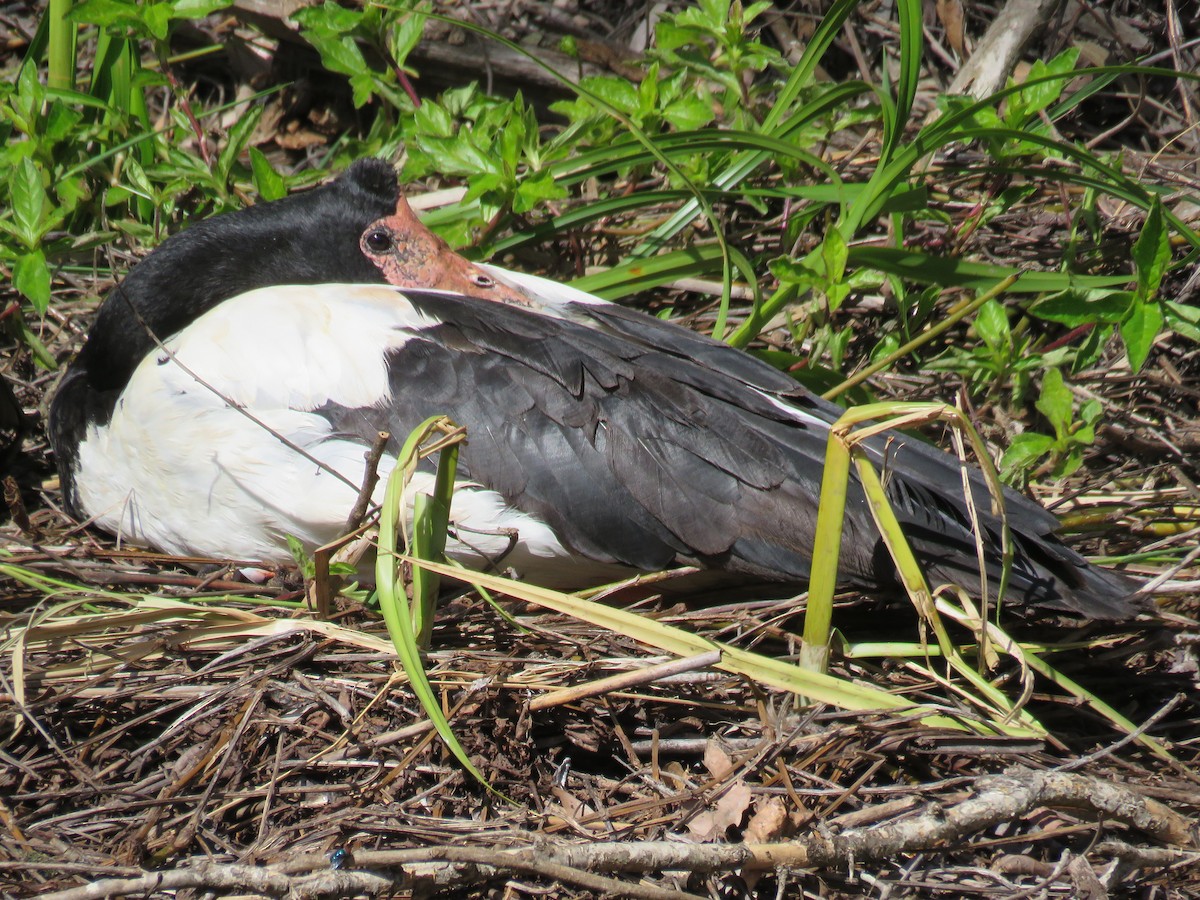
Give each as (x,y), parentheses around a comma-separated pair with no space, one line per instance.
(644,444)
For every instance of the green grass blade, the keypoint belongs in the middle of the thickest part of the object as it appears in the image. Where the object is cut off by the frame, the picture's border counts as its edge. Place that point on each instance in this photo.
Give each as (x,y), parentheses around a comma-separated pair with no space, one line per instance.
(763,669)
(393,600)
(818,612)
(643,274)
(60,61)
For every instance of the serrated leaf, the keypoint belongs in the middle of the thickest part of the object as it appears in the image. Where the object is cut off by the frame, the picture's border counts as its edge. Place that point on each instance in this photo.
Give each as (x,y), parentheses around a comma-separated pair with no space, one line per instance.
(31,276)
(991,324)
(362,89)
(533,191)
(614,91)
(28,202)
(1139,330)
(458,156)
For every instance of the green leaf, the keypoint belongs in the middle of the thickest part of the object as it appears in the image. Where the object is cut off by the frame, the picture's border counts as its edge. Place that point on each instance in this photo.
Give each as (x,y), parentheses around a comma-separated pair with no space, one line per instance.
(1056,402)
(1139,330)
(834,253)
(157,19)
(304,562)
(991,324)
(236,140)
(1025,450)
(615,91)
(1035,98)
(329,17)
(791,271)
(28,199)
(71,191)
(362,89)
(689,112)
(31,276)
(197,9)
(1084,307)
(117,195)
(458,156)
(1183,319)
(269,183)
(535,190)
(60,122)
(406,33)
(105,12)
(1151,252)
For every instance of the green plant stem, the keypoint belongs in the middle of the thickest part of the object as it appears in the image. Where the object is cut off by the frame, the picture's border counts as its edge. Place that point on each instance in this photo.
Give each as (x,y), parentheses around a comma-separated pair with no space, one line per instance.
(61,52)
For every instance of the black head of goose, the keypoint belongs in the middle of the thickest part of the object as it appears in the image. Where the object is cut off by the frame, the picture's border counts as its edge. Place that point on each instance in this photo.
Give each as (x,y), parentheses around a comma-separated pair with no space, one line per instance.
(601,441)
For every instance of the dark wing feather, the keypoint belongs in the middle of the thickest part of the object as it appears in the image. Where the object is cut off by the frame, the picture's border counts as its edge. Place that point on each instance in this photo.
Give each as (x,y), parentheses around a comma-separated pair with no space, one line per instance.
(635,448)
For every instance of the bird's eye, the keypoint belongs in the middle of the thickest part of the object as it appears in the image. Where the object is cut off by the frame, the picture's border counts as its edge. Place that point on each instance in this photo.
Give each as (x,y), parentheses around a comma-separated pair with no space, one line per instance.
(483,281)
(377,240)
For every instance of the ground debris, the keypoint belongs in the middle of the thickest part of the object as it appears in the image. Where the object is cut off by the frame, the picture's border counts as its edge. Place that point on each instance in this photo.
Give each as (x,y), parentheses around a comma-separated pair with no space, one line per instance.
(180,752)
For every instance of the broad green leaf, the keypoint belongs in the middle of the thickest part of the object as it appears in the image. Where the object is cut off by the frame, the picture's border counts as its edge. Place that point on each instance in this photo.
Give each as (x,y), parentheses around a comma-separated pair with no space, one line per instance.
(1183,319)
(405,34)
(362,89)
(1139,330)
(157,19)
(1035,98)
(833,253)
(616,91)
(61,120)
(791,271)
(105,12)
(197,9)
(1084,307)
(267,181)
(991,324)
(339,52)
(31,276)
(236,140)
(1151,253)
(1025,450)
(71,191)
(28,199)
(329,17)
(689,112)
(534,190)
(1056,402)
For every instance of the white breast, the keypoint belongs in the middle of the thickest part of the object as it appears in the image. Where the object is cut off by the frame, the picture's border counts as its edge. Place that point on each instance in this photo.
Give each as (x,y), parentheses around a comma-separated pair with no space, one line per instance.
(179,468)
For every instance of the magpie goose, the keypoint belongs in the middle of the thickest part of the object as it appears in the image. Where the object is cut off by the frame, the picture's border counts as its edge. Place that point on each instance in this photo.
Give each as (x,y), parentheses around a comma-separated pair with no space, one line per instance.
(231,383)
